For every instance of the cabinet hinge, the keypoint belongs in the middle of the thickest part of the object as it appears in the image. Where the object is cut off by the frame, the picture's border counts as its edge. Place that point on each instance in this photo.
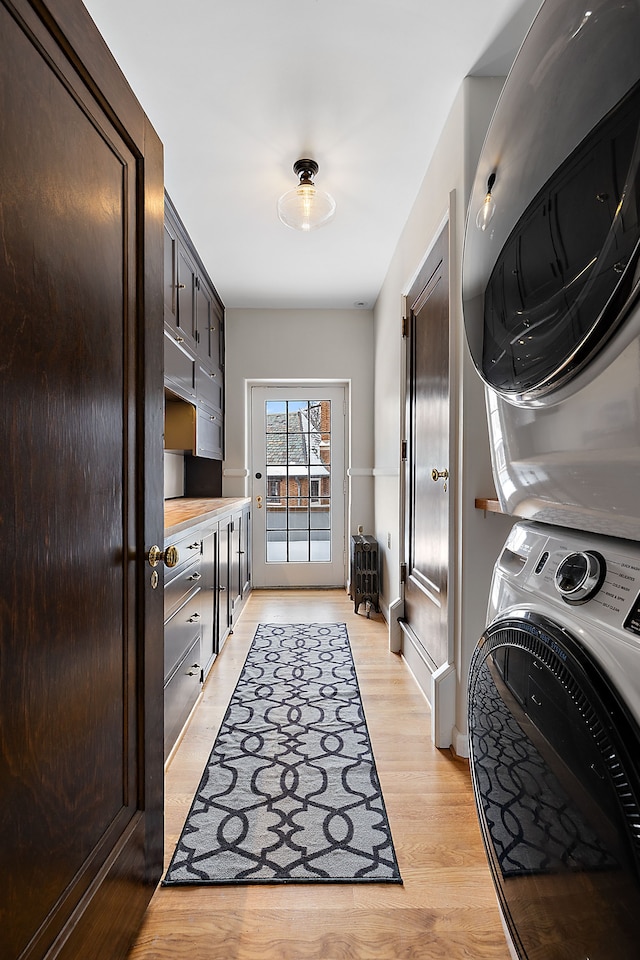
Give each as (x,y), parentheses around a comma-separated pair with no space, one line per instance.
(405,327)
(403,451)
(403,573)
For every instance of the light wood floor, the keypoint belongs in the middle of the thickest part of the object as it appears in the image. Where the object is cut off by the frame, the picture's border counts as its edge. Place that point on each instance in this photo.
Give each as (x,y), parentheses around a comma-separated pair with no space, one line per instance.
(446,907)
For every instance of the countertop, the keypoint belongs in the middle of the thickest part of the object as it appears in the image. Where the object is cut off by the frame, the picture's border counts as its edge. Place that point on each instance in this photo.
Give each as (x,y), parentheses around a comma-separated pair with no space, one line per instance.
(183,512)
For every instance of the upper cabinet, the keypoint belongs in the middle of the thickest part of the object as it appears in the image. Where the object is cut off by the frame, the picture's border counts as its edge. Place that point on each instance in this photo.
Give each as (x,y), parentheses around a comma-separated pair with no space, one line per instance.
(194,342)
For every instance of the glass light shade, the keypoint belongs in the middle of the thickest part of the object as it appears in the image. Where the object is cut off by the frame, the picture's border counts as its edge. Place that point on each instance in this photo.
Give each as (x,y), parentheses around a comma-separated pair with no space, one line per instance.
(306,208)
(486,212)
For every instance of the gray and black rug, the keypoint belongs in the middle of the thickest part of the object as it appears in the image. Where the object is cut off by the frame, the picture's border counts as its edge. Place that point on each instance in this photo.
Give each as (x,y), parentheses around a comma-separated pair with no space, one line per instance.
(290,793)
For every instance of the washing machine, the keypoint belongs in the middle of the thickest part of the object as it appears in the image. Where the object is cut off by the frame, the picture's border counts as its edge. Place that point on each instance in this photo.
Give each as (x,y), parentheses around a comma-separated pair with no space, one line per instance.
(551,275)
(554,725)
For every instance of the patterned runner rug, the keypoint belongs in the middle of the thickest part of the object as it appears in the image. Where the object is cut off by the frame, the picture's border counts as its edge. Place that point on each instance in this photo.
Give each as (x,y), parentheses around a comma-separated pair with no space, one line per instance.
(290,793)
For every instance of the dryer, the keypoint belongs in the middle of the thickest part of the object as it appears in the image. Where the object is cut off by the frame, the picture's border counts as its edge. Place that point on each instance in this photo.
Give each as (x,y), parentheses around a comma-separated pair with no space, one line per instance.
(551,275)
(554,722)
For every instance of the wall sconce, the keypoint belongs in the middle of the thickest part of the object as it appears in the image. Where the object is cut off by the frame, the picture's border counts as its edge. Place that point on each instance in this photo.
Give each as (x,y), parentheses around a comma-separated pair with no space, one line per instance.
(487,210)
(305,207)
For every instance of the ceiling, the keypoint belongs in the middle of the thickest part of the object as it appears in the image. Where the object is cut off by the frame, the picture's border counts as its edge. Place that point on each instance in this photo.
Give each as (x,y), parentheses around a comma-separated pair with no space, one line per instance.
(239,89)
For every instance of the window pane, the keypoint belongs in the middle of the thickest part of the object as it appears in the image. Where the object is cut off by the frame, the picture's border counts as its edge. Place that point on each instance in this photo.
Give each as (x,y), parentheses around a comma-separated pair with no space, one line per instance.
(321,549)
(276,416)
(298,448)
(276,515)
(276,449)
(320,515)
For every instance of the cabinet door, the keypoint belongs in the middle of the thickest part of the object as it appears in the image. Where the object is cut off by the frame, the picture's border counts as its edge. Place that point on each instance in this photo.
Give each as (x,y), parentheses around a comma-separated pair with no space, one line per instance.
(245,551)
(186,322)
(209,622)
(234,559)
(209,434)
(210,316)
(179,371)
(170,276)
(208,385)
(224,605)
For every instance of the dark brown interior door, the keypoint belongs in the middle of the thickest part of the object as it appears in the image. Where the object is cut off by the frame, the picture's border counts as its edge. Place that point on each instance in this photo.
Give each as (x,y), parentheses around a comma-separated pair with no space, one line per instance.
(80,491)
(427,431)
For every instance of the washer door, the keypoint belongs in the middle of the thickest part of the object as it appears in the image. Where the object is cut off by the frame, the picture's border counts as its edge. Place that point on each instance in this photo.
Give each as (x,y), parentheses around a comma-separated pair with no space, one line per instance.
(550,278)
(554,761)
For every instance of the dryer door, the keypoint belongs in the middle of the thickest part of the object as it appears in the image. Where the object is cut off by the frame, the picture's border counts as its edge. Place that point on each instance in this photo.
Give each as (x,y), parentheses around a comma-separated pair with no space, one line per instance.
(552,274)
(554,760)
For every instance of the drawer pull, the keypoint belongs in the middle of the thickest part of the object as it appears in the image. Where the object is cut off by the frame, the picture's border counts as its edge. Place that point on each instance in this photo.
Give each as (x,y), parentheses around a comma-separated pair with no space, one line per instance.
(195,576)
(191,673)
(194,546)
(535,700)
(179,339)
(194,618)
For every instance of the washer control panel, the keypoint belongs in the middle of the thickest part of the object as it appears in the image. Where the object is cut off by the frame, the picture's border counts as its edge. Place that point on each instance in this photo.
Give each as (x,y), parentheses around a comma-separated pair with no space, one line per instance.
(598,576)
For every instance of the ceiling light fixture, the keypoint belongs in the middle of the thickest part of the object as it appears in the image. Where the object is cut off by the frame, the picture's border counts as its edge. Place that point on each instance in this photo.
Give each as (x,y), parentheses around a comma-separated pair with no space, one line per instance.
(488,208)
(305,207)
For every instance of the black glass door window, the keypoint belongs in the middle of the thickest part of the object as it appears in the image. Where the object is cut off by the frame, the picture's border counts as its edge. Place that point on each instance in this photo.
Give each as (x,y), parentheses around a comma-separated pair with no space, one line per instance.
(554,757)
(555,293)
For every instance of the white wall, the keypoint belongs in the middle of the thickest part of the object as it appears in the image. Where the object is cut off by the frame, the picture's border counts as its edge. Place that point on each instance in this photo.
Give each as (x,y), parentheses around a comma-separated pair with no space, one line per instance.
(297,345)
(477,539)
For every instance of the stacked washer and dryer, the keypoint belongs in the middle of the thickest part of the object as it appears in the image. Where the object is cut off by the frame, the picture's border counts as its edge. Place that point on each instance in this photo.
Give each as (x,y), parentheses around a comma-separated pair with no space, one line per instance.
(551,291)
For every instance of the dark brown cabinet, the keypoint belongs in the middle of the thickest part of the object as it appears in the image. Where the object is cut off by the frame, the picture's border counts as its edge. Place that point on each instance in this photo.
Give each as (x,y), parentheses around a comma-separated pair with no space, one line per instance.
(203,598)
(194,346)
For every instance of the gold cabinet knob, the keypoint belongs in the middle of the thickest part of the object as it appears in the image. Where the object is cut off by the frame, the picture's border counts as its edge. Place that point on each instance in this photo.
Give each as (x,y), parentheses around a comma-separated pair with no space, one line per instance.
(156,555)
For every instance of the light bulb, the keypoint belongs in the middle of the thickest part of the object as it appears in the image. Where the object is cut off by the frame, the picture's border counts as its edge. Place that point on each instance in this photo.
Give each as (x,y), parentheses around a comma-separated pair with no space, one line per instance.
(305,207)
(486,212)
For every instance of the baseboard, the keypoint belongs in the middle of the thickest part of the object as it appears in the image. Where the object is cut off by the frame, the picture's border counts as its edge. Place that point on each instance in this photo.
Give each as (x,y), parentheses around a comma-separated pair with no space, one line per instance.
(438,685)
(461,743)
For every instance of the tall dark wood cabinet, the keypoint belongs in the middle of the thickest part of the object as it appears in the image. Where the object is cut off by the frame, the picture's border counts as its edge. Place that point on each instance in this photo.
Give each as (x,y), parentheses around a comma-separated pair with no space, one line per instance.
(193,347)
(81,658)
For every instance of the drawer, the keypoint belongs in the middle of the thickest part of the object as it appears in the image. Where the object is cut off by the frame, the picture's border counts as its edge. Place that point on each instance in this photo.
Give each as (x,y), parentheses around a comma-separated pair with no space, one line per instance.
(179,586)
(180,693)
(189,547)
(181,630)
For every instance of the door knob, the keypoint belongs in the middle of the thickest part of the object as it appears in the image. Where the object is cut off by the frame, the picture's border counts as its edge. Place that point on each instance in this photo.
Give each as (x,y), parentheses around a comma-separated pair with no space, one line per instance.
(170,556)
(440,475)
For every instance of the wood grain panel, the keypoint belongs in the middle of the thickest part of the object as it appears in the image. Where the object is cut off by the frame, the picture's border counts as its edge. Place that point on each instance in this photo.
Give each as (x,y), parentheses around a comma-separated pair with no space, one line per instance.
(427,419)
(76,253)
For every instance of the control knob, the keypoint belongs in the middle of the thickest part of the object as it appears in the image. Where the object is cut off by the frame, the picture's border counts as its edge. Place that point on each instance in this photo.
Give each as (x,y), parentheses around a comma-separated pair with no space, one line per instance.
(580,575)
